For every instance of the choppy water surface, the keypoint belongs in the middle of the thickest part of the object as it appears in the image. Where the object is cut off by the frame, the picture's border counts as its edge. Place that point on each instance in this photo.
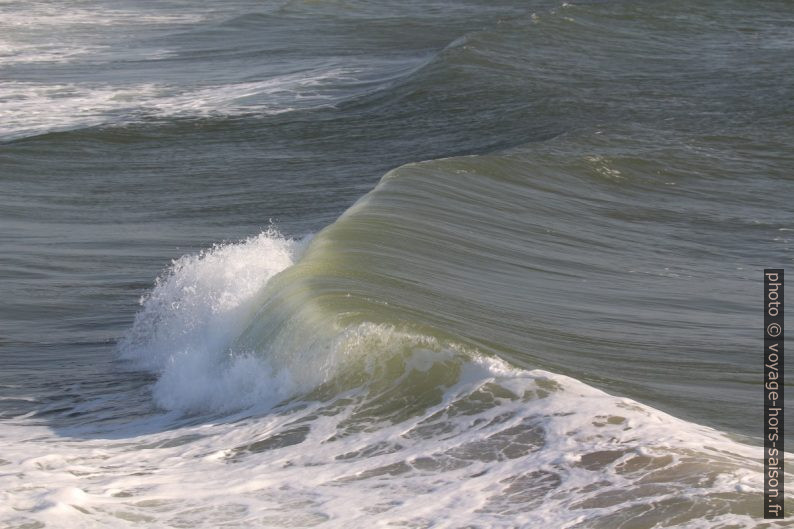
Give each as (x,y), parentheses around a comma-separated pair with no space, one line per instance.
(416,264)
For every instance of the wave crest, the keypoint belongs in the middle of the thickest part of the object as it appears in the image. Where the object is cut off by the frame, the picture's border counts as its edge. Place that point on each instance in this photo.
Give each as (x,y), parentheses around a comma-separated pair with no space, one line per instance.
(193,314)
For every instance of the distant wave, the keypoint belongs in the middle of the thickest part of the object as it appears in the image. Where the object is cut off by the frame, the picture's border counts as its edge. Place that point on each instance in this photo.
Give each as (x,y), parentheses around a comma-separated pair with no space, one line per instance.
(32,108)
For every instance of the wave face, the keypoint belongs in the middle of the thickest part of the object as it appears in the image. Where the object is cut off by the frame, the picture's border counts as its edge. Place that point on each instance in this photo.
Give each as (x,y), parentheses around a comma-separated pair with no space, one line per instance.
(514,280)
(545,256)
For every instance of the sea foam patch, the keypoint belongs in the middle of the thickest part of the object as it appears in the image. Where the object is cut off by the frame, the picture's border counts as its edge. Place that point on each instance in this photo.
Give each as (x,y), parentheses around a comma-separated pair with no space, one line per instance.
(481,443)
(32,108)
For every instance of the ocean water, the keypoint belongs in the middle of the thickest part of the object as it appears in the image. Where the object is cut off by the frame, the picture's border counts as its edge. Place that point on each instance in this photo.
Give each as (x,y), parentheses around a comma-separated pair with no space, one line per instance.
(440,264)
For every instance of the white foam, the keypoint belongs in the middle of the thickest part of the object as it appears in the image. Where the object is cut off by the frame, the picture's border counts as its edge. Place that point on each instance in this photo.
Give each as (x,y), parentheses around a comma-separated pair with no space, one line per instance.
(52,15)
(192,315)
(500,448)
(41,31)
(34,108)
